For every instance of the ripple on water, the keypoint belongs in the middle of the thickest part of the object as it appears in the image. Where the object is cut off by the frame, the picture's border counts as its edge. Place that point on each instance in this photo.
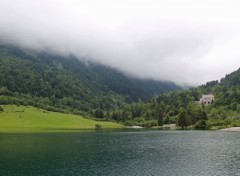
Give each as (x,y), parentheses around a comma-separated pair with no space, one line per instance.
(140,153)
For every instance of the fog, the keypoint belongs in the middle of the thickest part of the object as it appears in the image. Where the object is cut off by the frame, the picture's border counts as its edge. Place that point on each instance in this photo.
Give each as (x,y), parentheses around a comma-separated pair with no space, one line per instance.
(182,41)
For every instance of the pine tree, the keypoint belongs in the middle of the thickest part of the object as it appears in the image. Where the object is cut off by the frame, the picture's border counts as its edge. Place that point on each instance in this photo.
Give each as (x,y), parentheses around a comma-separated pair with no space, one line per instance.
(160,118)
(183,118)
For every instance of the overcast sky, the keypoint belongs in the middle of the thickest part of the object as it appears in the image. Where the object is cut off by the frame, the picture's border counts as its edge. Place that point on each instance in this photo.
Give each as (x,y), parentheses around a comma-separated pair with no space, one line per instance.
(186,41)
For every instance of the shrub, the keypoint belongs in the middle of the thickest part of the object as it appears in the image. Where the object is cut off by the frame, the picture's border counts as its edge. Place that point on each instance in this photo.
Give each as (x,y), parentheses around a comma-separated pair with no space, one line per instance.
(235,124)
(1,108)
(98,126)
(201,124)
(128,123)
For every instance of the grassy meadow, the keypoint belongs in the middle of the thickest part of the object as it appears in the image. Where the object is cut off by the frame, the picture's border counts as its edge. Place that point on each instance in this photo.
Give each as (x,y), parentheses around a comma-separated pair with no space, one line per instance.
(30,119)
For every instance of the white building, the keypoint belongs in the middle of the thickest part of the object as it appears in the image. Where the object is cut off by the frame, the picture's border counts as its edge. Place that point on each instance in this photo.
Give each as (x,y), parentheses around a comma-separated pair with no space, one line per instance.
(206,99)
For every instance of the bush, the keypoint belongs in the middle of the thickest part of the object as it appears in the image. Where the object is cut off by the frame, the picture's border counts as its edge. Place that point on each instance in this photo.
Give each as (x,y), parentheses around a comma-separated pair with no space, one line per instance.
(98,126)
(128,123)
(146,125)
(235,124)
(1,108)
(149,124)
(201,124)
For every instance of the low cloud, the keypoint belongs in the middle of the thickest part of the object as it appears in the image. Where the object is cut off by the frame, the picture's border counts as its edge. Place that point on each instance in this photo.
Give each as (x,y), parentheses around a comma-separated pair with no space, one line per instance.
(188,42)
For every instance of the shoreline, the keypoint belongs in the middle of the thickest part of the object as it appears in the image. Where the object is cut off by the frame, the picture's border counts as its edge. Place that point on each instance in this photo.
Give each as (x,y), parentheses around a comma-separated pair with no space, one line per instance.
(134,127)
(232,129)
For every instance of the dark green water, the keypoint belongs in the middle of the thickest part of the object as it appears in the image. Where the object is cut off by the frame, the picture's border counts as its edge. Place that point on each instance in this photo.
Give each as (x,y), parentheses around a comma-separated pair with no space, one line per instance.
(125,153)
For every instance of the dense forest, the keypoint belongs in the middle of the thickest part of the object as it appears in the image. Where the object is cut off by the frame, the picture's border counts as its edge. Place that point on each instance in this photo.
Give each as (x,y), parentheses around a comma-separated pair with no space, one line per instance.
(69,85)
(182,107)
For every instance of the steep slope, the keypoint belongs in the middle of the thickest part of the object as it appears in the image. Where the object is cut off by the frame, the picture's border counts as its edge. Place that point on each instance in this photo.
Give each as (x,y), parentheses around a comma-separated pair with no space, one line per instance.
(65,83)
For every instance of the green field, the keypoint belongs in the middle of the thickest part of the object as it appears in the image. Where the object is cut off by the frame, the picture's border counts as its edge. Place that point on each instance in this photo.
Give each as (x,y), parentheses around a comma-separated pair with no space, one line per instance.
(29,119)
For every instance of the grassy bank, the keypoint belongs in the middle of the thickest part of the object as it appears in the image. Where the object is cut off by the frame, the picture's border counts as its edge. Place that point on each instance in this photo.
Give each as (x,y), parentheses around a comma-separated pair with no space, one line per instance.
(30,119)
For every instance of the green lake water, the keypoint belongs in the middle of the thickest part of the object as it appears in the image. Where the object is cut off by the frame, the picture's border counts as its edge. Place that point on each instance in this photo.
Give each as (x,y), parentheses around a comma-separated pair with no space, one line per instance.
(121,153)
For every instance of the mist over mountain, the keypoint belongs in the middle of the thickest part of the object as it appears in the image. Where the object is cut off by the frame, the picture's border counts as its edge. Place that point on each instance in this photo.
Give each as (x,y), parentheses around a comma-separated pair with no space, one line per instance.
(185,42)
(52,81)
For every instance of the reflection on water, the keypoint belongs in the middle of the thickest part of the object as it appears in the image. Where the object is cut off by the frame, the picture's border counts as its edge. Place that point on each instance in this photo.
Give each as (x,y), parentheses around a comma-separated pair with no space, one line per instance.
(130,153)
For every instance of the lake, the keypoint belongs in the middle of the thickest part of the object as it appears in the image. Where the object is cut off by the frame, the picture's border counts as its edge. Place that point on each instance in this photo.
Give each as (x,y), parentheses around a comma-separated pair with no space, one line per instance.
(121,153)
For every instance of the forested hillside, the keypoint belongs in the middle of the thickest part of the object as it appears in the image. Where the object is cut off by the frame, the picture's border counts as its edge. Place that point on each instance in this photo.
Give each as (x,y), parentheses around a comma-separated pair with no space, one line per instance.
(67,84)
(181,107)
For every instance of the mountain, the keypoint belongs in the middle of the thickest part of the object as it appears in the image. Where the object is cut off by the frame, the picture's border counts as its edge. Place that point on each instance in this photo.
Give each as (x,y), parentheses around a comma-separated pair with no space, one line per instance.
(232,80)
(61,83)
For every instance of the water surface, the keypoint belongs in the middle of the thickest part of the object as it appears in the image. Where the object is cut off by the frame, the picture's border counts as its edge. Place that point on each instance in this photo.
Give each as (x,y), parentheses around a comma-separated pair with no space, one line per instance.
(121,153)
